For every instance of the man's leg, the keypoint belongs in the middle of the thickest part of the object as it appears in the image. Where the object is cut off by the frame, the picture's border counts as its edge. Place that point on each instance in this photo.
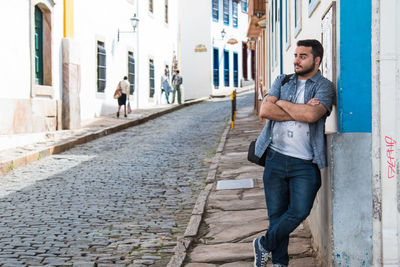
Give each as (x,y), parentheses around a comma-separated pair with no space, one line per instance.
(173,94)
(304,180)
(167,96)
(178,88)
(276,189)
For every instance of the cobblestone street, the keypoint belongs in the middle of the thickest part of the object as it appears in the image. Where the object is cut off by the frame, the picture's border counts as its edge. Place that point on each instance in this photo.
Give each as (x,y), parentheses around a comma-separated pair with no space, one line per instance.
(121,200)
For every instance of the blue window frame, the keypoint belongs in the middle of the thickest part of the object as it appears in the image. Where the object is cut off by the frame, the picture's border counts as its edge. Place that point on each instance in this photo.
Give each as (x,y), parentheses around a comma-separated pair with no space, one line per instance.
(226,67)
(215,10)
(244,6)
(235,69)
(287,27)
(226,12)
(234,14)
(216,67)
(297,17)
(312,5)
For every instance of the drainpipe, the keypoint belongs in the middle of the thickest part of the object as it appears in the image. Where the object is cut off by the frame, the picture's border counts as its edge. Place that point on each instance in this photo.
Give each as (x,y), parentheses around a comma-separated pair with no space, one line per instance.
(137,56)
(376,148)
(281,36)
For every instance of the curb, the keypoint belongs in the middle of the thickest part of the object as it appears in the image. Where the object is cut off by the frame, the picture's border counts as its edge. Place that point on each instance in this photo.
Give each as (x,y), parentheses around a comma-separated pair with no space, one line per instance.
(8,165)
(197,214)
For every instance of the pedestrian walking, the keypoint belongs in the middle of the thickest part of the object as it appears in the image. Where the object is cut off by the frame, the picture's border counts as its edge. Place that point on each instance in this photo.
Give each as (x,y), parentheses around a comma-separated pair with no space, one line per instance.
(296,107)
(165,87)
(124,86)
(176,83)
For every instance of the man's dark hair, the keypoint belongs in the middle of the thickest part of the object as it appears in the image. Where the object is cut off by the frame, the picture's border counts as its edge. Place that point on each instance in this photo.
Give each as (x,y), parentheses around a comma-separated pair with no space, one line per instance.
(316,47)
(125,78)
(177,71)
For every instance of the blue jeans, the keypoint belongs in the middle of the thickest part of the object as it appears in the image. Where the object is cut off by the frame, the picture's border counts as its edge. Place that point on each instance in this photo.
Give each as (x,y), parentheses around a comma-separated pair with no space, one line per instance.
(290,186)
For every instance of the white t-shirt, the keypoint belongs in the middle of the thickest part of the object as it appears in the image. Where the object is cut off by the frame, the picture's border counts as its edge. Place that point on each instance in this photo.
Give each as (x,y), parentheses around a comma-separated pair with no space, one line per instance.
(124,84)
(292,138)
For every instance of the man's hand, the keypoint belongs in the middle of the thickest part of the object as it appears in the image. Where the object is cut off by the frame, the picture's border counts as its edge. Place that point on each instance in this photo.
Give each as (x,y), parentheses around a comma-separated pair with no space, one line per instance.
(269,110)
(313,102)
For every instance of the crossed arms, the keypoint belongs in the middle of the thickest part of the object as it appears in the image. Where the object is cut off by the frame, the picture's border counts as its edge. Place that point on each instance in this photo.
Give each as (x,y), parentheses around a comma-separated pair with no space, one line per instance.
(280,110)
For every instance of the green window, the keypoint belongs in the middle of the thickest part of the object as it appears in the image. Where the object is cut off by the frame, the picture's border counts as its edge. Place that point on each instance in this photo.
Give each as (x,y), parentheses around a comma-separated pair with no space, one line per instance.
(131,72)
(38,46)
(151,77)
(101,67)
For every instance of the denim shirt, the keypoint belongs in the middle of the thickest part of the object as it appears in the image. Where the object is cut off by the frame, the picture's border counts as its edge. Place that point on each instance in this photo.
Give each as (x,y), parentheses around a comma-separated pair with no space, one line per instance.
(316,87)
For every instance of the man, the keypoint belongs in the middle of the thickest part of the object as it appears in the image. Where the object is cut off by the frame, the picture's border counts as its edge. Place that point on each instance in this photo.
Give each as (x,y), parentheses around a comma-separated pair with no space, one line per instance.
(296,107)
(177,82)
(124,85)
(165,87)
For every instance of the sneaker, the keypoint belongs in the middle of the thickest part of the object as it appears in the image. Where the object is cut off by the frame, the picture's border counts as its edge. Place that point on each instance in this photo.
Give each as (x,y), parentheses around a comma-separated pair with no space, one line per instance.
(279,265)
(117,114)
(125,116)
(261,256)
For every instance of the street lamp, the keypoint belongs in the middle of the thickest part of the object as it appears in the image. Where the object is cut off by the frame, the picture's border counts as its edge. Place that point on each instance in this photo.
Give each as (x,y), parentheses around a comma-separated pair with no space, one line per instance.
(223,33)
(134,23)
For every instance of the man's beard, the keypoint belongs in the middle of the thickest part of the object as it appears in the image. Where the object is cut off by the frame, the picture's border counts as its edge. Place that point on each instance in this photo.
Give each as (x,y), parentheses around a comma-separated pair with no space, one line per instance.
(306,71)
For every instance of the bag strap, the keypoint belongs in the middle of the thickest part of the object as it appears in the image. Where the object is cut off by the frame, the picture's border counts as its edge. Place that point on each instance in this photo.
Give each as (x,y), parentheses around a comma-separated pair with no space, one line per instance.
(286,79)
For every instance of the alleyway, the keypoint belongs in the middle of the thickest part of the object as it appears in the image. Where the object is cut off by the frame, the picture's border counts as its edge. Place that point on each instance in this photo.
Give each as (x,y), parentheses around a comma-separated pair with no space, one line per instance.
(123,199)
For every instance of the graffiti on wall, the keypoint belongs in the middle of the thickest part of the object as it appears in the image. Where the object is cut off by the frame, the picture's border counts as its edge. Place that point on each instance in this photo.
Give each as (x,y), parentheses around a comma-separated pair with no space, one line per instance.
(390,156)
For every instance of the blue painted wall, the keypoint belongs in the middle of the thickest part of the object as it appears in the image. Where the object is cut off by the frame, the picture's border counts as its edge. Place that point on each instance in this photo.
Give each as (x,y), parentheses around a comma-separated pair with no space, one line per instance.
(354,73)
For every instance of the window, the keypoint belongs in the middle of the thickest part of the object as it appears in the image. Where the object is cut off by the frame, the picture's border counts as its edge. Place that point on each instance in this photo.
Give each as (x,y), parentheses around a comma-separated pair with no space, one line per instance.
(215,10)
(101,67)
(312,5)
(297,17)
(226,12)
(244,6)
(151,6)
(166,11)
(131,72)
(287,23)
(244,60)
(41,49)
(235,70)
(151,77)
(216,67)
(234,14)
(38,46)
(226,68)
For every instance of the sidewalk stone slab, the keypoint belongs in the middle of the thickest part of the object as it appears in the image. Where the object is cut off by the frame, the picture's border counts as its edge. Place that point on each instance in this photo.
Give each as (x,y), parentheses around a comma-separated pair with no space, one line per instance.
(238,264)
(235,184)
(200,265)
(248,204)
(303,262)
(237,217)
(229,252)
(223,233)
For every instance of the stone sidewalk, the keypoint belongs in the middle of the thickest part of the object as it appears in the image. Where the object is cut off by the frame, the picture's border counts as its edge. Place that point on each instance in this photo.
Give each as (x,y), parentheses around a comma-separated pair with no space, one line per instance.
(231,211)
(17,150)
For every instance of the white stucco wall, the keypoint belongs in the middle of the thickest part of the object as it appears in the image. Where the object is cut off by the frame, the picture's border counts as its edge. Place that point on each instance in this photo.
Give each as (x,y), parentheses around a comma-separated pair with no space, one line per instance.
(157,40)
(103,26)
(196,66)
(16,64)
(240,34)
(16,46)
